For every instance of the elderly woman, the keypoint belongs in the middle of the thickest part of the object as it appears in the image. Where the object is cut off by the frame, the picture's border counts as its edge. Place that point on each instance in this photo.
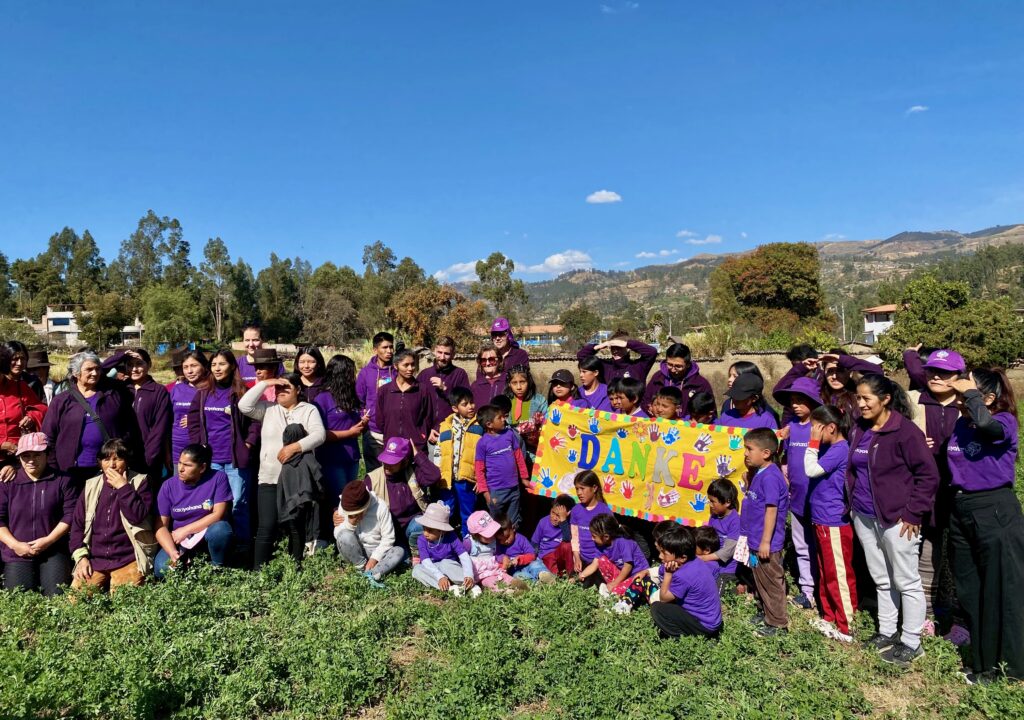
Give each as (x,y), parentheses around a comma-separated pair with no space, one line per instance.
(112,541)
(93,410)
(490,376)
(21,411)
(35,516)
(275,417)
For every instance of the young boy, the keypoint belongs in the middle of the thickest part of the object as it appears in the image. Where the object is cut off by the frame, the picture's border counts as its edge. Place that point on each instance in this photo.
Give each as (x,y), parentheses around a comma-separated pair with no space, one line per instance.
(459,435)
(625,394)
(725,521)
(666,403)
(763,529)
(500,464)
(553,542)
(515,553)
(702,408)
(377,373)
(706,539)
(688,602)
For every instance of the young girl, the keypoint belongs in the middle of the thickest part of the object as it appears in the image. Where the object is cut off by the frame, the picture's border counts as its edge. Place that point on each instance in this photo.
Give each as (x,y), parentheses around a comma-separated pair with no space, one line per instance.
(339,410)
(490,376)
(483,551)
(621,566)
(592,393)
(562,387)
(825,465)
(987,528)
(528,409)
(725,520)
(591,504)
(310,365)
(688,599)
(404,407)
(195,369)
(741,367)
(801,397)
(443,558)
(748,407)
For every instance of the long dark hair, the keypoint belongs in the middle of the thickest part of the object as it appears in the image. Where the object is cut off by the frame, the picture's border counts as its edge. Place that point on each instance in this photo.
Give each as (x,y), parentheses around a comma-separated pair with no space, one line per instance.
(313,352)
(551,394)
(832,415)
(237,386)
(881,386)
(340,381)
(206,381)
(594,364)
(994,381)
(531,386)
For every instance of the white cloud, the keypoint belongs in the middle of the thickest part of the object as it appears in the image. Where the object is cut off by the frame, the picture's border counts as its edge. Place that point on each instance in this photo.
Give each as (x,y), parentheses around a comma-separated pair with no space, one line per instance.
(603,196)
(686,234)
(743,235)
(560,262)
(660,253)
(709,240)
(459,272)
(913,109)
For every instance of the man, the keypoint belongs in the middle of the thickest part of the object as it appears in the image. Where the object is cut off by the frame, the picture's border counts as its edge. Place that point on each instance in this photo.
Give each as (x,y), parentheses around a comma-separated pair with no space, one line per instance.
(377,373)
(443,376)
(252,337)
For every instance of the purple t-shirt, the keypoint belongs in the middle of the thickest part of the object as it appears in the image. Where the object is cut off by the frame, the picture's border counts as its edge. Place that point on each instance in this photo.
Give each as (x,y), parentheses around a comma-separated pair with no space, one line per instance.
(597,399)
(622,550)
(768,487)
(828,492)
(343,453)
(546,537)
(520,545)
(580,517)
(185,504)
(182,395)
(449,547)
(248,373)
(218,424)
(92,438)
(498,453)
(796,444)
(695,590)
(977,465)
(863,498)
(762,419)
(727,527)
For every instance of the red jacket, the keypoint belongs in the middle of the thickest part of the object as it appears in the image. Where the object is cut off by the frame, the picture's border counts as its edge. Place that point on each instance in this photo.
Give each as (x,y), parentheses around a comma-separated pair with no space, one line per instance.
(16,401)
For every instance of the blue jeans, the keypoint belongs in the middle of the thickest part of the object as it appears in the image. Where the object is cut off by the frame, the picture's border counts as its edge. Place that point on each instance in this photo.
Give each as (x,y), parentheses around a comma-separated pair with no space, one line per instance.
(466,497)
(506,501)
(215,544)
(241,493)
(533,570)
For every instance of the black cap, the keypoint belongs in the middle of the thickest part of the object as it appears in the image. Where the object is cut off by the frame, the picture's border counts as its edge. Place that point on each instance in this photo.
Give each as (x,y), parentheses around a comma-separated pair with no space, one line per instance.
(563,377)
(745,386)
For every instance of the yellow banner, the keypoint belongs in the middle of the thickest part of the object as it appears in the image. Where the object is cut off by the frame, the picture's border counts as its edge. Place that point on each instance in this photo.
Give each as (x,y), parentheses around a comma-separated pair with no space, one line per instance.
(651,469)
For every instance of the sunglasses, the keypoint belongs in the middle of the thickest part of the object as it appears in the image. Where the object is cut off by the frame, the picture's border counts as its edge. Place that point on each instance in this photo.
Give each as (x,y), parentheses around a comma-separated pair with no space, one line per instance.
(489,361)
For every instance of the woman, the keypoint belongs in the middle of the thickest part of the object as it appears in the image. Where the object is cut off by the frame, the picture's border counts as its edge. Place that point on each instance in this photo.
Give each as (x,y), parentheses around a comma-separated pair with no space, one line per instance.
(21,410)
(152,405)
(195,374)
(215,420)
(504,342)
(404,407)
(193,507)
(19,366)
(986,528)
(36,508)
(93,410)
(592,393)
(38,365)
(112,540)
(490,377)
(310,365)
(891,480)
(344,425)
(274,418)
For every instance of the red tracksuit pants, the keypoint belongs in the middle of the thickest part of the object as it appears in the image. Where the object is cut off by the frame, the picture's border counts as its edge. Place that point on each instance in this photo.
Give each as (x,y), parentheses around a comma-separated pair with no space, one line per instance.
(837,588)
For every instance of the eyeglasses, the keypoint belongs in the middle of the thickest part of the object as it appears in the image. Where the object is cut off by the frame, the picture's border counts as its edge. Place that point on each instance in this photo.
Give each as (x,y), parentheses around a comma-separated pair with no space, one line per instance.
(488,361)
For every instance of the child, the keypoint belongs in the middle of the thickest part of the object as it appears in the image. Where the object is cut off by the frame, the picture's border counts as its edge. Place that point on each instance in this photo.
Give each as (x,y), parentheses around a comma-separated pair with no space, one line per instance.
(457,440)
(656,532)
(725,521)
(702,408)
(688,603)
(621,565)
(483,553)
(825,463)
(625,394)
(763,528)
(592,393)
(528,409)
(516,554)
(443,558)
(801,397)
(552,540)
(562,387)
(748,408)
(500,465)
(667,402)
(706,539)
(591,503)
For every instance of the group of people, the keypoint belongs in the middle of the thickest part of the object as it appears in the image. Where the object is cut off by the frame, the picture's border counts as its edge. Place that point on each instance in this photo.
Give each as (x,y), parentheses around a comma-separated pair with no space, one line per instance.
(111,476)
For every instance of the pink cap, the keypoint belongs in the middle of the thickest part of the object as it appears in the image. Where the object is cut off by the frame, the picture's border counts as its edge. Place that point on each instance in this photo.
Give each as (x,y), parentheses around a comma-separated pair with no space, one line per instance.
(32,442)
(481,523)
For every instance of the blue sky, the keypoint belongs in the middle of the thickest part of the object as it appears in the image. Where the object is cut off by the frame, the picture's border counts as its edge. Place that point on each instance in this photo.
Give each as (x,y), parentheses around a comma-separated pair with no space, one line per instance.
(449,130)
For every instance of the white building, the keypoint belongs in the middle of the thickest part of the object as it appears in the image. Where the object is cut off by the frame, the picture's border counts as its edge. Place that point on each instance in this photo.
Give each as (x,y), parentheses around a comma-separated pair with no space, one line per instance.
(58,325)
(877,320)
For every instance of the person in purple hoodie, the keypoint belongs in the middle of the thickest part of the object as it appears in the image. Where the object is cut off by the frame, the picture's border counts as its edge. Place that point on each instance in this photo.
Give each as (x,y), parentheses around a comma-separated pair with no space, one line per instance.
(748,409)
(152,405)
(622,364)
(345,423)
(36,508)
(490,377)
(443,376)
(377,373)
(401,481)
(678,370)
(592,393)
(404,407)
(311,367)
(509,352)
(987,528)
(891,482)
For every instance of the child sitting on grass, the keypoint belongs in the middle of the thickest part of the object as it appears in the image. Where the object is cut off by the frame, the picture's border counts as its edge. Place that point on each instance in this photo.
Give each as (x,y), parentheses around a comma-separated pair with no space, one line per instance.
(725,521)
(621,564)
(443,558)
(666,403)
(688,602)
(552,540)
(514,551)
(656,572)
(483,554)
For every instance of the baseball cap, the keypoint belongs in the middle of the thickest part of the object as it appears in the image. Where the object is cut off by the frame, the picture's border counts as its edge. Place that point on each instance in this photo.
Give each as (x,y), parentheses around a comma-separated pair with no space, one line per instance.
(947,360)
(395,451)
(745,386)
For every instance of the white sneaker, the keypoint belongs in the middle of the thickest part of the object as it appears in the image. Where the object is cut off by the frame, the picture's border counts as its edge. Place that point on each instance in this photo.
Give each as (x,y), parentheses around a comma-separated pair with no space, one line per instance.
(475,591)
(455,590)
(655,596)
(839,635)
(622,608)
(821,625)
(603,590)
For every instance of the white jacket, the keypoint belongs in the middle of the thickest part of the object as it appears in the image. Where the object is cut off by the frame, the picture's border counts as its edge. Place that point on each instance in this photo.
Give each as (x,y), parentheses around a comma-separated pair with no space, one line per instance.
(275,419)
(375,531)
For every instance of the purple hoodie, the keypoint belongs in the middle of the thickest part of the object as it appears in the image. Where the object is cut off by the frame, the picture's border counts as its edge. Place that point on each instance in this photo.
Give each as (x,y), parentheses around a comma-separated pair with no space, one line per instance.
(152,404)
(939,419)
(408,414)
(65,419)
(31,509)
(401,503)
(484,392)
(369,380)
(452,377)
(691,384)
(901,471)
(629,366)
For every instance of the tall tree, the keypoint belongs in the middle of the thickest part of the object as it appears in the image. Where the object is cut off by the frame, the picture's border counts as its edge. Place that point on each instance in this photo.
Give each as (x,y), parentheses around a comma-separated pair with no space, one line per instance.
(495,284)
(156,244)
(277,287)
(215,283)
(421,310)
(244,306)
(170,314)
(6,294)
(85,269)
(101,323)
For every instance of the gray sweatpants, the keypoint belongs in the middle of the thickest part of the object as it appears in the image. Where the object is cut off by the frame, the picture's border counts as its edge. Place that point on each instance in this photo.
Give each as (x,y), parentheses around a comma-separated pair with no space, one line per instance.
(893,563)
(448,567)
(352,551)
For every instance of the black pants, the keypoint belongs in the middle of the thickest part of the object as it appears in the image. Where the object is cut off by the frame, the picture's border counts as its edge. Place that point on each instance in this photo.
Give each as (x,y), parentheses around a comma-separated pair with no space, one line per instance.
(48,573)
(370,449)
(267,529)
(673,621)
(986,534)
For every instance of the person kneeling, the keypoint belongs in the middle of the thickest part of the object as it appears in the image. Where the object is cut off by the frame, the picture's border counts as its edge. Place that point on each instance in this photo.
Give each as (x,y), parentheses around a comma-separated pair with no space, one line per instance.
(365,533)
(689,603)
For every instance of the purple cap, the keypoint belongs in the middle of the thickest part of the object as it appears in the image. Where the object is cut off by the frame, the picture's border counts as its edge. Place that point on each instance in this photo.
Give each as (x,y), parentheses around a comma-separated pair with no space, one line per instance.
(948,360)
(395,450)
(500,325)
(801,386)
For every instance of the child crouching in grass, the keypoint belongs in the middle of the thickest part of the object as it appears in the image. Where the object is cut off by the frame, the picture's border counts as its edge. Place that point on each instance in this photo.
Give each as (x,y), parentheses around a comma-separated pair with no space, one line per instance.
(483,553)
(444,563)
(620,564)
(688,602)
